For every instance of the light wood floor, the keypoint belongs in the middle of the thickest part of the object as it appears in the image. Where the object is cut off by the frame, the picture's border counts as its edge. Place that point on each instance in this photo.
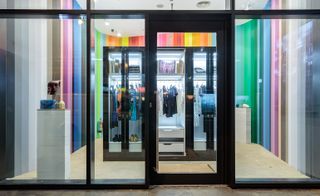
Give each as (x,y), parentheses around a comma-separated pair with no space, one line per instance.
(252,161)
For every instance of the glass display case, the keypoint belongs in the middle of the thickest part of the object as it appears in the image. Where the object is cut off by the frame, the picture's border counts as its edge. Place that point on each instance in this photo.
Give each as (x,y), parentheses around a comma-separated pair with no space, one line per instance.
(204,91)
(186,109)
(123,98)
(171,102)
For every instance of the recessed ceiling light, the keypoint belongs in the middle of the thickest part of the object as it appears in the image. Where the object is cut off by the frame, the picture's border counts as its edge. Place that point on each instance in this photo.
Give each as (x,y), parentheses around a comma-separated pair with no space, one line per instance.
(160,6)
(80,21)
(119,34)
(203,4)
(107,23)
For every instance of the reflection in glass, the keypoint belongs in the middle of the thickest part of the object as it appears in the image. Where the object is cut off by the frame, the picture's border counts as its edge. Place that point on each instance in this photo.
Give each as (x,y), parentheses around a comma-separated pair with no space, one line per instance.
(43,4)
(277,126)
(186,103)
(160,5)
(120,94)
(276,4)
(43,91)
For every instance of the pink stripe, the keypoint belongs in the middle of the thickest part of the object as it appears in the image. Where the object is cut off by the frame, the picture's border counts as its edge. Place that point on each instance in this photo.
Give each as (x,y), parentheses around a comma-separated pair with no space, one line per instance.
(67,57)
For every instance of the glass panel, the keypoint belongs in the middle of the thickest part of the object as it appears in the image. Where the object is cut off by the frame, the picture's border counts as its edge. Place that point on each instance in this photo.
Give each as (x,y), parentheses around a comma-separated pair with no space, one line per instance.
(186,109)
(276,4)
(43,96)
(205,88)
(160,5)
(119,68)
(44,4)
(277,100)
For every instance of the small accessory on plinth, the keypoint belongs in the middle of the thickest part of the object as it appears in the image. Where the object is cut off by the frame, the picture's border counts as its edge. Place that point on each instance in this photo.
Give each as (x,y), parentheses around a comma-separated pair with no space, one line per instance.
(47,104)
(60,105)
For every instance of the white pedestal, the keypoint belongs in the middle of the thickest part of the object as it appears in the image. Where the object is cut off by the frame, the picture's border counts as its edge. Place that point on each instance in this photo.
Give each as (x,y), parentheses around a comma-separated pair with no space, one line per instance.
(243,125)
(53,151)
(135,146)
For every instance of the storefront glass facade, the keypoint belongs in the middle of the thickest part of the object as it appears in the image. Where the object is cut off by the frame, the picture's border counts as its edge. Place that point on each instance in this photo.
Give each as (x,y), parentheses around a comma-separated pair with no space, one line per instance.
(276,92)
(83,83)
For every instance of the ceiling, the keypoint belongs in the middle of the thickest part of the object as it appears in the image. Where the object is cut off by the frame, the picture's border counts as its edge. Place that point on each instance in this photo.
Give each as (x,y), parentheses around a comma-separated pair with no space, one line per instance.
(135,27)
(177,4)
(126,27)
(157,4)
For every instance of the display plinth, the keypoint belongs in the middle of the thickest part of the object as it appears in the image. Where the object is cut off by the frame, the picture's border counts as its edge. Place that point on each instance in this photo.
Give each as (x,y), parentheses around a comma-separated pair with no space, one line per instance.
(243,125)
(53,137)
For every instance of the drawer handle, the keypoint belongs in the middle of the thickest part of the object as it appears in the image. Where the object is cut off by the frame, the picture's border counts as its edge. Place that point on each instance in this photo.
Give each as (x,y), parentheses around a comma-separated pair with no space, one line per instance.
(167,144)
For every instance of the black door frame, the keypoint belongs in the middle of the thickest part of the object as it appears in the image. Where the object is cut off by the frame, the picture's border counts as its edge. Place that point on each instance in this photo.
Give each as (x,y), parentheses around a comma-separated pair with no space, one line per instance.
(178,22)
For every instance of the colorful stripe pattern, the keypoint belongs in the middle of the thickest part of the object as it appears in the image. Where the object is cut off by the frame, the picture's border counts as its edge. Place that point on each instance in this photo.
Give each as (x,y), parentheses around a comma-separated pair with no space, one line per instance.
(99,40)
(136,41)
(186,39)
(279,57)
(66,66)
(78,34)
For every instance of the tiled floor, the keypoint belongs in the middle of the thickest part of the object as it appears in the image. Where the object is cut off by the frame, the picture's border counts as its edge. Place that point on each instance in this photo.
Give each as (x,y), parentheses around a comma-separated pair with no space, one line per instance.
(168,191)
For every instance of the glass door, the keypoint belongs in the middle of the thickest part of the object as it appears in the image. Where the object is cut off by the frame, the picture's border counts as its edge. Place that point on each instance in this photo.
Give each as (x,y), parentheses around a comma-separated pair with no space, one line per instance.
(187,135)
(186,108)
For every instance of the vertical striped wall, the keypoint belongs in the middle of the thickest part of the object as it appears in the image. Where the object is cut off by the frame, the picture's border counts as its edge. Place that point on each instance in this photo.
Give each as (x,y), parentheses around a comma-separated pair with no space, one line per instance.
(186,39)
(136,41)
(279,56)
(163,40)
(77,82)
(100,41)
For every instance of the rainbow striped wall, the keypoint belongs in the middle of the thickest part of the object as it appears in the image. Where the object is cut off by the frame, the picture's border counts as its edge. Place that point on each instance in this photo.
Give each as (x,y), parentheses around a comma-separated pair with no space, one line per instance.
(186,39)
(163,40)
(136,41)
(99,44)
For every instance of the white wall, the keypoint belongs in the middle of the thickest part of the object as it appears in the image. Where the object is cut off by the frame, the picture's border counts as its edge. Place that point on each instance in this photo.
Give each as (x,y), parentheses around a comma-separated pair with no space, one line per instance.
(296,73)
(31,51)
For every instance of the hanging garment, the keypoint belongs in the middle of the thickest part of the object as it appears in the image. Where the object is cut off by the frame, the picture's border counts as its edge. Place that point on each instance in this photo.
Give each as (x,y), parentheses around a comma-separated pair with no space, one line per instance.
(113,108)
(133,104)
(197,107)
(170,101)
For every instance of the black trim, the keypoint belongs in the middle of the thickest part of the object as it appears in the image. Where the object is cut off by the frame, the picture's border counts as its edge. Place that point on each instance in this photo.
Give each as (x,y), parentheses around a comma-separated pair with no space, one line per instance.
(90,104)
(177,22)
(229,145)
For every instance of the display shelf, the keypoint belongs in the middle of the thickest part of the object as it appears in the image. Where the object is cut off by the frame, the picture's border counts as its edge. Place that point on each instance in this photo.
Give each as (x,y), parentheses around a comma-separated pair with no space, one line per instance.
(170,127)
(132,76)
(200,77)
(115,146)
(170,77)
(135,146)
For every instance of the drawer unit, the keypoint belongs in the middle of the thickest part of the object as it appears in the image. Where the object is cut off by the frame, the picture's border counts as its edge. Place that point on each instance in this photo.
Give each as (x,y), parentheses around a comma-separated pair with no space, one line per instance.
(171,140)
(171,133)
(171,147)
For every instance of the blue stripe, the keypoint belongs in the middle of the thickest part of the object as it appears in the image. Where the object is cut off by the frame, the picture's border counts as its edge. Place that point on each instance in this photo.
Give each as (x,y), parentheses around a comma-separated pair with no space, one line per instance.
(266,83)
(77,87)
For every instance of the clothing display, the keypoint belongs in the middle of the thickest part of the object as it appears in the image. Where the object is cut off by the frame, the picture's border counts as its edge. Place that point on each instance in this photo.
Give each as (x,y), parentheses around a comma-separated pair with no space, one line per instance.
(170,101)
(197,105)
(124,104)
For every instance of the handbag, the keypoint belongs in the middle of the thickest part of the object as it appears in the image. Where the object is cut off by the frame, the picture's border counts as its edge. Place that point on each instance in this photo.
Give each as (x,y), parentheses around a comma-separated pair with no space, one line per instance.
(47,104)
(208,104)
